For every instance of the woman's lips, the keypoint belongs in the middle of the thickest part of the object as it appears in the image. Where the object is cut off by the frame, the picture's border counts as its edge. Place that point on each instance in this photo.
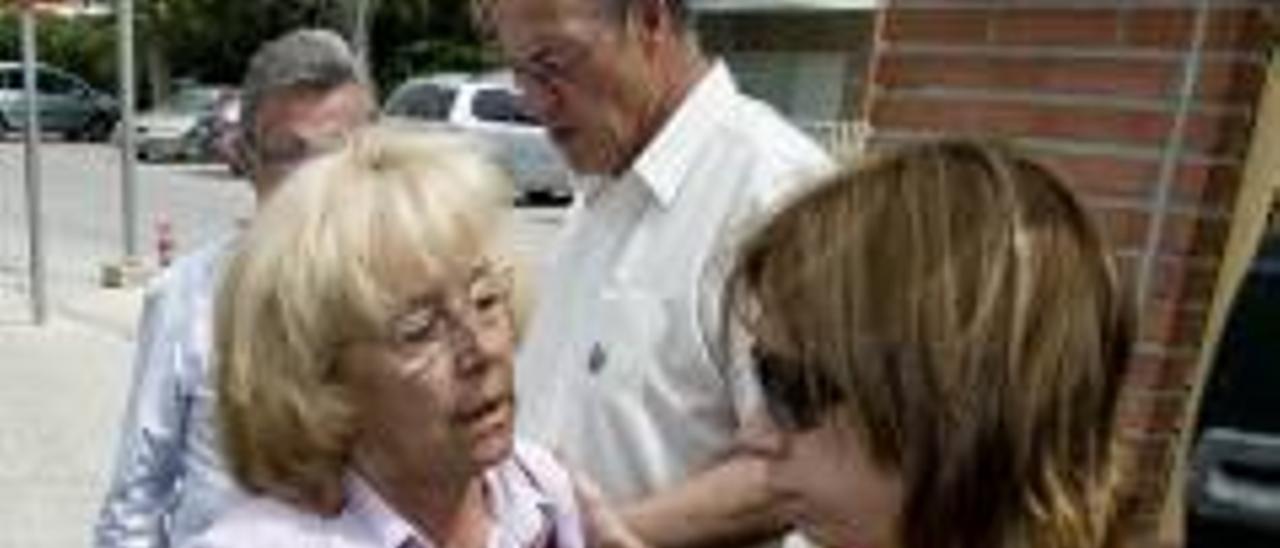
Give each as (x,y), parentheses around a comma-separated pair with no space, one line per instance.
(489,414)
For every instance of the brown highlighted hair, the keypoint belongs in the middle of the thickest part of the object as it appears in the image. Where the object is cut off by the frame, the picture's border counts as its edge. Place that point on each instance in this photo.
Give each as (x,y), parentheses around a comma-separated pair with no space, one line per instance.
(965,307)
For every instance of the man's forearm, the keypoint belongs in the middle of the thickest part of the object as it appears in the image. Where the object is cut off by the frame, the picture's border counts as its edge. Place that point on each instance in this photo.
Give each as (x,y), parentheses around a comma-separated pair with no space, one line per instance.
(724,506)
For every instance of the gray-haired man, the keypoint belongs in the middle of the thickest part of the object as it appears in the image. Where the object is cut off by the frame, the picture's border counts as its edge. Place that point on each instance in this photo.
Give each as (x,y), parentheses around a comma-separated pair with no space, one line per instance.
(618,369)
(301,94)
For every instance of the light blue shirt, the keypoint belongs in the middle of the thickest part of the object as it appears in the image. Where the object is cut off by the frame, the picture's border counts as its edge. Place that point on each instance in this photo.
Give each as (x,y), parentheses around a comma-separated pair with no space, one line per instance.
(529,496)
(170,481)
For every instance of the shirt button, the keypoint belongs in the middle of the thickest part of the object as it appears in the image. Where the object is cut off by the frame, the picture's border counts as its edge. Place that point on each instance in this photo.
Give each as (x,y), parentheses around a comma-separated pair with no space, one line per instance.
(597,359)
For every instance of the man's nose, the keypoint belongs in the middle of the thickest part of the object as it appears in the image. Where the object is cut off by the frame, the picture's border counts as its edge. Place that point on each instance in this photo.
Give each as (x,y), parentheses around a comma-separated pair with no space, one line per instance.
(538,98)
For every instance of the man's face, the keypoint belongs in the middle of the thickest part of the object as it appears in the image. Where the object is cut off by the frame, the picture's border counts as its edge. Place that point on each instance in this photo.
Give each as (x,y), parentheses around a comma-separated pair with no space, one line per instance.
(292,126)
(585,76)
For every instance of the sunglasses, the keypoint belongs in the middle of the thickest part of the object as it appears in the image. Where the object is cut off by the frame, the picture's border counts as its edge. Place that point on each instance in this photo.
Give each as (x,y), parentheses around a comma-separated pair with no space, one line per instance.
(796,397)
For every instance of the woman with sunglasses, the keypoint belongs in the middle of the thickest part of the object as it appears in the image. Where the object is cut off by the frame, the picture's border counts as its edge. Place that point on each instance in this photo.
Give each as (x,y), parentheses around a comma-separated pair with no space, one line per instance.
(941,337)
(364,332)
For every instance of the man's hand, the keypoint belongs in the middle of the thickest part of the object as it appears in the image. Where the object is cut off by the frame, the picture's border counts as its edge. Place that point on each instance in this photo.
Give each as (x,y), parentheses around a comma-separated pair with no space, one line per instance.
(603,527)
(727,505)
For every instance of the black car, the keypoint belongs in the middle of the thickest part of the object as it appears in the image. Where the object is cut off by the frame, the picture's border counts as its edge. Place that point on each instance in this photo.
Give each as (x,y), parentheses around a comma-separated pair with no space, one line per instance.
(1234,494)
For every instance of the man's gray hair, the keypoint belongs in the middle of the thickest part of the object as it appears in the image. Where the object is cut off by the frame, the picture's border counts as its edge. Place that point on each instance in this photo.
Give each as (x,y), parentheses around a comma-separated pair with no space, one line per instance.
(315,59)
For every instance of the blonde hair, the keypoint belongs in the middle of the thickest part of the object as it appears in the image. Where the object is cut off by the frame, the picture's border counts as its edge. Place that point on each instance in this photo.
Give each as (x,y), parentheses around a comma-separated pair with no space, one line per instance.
(966,308)
(328,260)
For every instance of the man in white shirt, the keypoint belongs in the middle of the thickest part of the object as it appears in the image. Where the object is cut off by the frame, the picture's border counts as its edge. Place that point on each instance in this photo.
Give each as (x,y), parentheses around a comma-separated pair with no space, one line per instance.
(618,371)
(302,92)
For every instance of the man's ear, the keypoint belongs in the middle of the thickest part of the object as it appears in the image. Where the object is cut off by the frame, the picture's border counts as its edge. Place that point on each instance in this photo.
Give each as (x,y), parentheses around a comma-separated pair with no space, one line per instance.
(650,21)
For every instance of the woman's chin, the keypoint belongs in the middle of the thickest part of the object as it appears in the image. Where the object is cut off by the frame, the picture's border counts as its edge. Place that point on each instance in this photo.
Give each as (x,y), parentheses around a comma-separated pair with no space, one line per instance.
(493,445)
(821,533)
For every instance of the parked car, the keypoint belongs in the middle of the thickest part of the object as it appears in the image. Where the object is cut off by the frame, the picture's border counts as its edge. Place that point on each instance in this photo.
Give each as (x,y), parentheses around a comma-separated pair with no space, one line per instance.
(1234,488)
(67,104)
(492,111)
(165,133)
(215,137)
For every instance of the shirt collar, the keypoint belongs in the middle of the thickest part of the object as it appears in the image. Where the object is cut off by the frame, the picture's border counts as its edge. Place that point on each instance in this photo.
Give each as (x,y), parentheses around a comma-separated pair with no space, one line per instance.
(388,528)
(522,512)
(666,160)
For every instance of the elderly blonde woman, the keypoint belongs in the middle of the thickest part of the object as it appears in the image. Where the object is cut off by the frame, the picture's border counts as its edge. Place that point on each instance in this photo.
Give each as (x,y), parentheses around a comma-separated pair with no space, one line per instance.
(364,333)
(940,336)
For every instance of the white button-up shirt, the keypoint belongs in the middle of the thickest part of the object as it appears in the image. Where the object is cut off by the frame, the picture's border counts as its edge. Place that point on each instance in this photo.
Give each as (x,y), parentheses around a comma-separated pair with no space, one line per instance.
(616,371)
(170,480)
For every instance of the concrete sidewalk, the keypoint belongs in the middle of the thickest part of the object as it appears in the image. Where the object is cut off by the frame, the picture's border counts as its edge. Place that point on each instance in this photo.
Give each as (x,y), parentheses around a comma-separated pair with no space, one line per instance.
(61,401)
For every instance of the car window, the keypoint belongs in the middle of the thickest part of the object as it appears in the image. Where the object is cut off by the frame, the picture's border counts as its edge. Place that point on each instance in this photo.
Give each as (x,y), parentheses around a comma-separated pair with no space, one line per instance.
(498,105)
(53,83)
(425,101)
(10,79)
(193,100)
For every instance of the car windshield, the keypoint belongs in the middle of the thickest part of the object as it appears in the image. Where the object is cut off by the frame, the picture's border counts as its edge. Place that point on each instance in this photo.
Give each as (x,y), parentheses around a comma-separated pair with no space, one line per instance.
(193,100)
(425,101)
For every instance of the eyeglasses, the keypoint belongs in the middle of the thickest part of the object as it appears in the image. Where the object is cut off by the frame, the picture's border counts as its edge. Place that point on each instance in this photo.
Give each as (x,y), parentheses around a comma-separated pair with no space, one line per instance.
(549,66)
(796,397)
(439,325)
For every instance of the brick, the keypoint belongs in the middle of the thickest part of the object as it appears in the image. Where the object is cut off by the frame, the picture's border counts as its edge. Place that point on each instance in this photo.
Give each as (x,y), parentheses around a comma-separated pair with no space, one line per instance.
(1152,412)
(936,26)
(1148,372)
(1183,277)
(1131,78)
(1177,276)
(1106,176)
(1205,132)
(1126,228)
(1159,27)
(1219,134)
(1172,324)
(1232,28)
(1230,82)
(1056,27)
(1142,450)
(1209,184)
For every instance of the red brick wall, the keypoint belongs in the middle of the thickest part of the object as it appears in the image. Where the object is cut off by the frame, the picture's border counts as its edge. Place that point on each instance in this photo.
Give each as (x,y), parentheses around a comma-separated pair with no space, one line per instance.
(1095,89)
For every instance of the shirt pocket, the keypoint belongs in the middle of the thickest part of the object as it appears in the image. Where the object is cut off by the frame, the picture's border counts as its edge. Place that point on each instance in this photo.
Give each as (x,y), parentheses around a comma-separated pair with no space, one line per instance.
(633,328)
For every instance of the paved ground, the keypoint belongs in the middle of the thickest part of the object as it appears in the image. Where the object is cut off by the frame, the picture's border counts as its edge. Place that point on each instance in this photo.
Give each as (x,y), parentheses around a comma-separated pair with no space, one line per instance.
(64,384)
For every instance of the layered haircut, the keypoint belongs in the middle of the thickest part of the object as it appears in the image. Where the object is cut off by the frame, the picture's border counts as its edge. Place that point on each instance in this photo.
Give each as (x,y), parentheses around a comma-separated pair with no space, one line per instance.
(330,259)
(966,309)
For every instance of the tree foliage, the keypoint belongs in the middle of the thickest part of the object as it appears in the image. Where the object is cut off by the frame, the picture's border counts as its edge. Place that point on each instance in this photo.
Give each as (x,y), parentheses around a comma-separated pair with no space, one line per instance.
(212,40)
(85,46)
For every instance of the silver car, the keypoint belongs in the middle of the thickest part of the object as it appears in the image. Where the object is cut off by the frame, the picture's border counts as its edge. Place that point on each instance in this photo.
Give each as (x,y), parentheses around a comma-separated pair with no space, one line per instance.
(491,111)
(166,132)
(67,104)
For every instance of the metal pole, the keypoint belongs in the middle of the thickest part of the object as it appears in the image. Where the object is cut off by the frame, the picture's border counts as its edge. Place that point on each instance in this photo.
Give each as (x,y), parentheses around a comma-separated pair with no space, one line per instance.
(35,207)
(128,146)
(360,40)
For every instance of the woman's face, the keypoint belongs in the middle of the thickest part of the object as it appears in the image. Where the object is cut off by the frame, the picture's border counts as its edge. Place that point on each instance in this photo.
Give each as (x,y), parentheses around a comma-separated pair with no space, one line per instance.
(818,467)
(438,388)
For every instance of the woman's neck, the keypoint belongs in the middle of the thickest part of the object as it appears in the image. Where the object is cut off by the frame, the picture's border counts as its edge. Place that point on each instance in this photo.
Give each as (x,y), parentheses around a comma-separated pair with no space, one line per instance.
(450,508)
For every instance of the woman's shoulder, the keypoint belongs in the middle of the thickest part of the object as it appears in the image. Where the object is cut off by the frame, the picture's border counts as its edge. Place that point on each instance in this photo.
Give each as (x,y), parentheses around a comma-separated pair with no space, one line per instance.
(263,521)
